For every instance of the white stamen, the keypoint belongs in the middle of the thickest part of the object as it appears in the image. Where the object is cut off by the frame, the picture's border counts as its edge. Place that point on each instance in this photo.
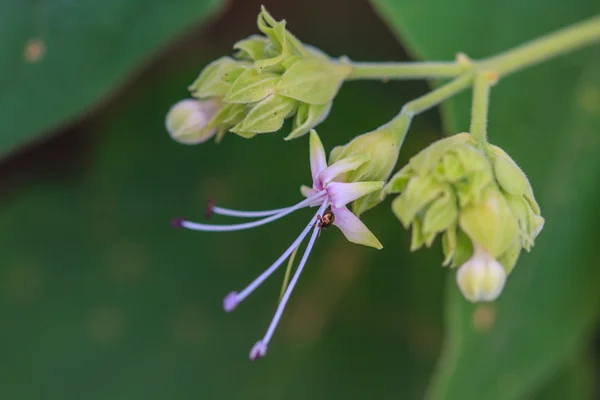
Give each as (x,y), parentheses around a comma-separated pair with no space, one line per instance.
(233,299)
(286,296)
(246,214)
(238,227)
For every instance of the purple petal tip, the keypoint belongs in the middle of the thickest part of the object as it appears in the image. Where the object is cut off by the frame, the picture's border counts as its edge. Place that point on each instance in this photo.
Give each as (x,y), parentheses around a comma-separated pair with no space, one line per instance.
(259,350)
(230,301)
(177,223)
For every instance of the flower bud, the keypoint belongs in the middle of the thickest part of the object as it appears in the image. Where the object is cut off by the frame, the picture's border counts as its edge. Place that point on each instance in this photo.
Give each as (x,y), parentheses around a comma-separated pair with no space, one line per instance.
(475,198)
(271,77)
(481,278)
(188,120)
(382,146)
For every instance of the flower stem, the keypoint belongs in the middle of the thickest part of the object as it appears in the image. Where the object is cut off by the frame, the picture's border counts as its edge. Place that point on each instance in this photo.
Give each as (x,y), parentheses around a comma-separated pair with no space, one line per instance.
(479,108)
(554,44)
(401,122)
(405,70)
(545,47)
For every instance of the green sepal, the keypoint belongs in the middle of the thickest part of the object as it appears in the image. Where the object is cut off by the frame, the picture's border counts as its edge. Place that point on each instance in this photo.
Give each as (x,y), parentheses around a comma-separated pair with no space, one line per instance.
(419,192)
(398,182)
(449,244)
(307,117)
(313,80)
(471,189)
(428,158)
(464,249)
(509,258)
(416,239)
(266,116)
(508,174)
(252,48)
(441,213)
(251,87)
(490,222)
(210,81)
(236,113)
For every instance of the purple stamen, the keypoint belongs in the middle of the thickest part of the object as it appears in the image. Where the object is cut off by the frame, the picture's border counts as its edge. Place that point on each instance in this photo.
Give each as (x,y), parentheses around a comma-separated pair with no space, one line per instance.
(238,227)
(177,223)
(231,301)
(259,350)
(209,209)
(240,296)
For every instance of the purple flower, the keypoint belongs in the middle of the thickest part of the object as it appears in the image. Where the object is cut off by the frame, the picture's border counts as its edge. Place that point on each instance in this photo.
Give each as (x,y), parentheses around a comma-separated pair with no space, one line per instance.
(328,191)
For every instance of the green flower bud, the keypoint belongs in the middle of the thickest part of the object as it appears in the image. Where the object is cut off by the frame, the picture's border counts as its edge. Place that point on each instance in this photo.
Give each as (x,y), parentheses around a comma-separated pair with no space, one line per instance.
(382,145)
(476,199)
(188,120)
(271,77)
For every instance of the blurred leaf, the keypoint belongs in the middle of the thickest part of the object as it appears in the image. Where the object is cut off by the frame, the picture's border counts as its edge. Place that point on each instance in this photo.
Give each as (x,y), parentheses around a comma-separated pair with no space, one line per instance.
(575,381)
(58,58)
(548,119)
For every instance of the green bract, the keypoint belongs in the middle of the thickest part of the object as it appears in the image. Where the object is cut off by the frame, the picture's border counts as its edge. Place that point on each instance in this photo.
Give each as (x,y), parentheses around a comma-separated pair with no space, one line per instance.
(474,198)
(270,77)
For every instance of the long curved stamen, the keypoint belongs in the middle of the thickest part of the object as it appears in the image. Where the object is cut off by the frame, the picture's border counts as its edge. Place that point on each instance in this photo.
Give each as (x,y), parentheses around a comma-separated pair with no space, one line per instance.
(260,348)
(238,227)
(246,214)
(233,299)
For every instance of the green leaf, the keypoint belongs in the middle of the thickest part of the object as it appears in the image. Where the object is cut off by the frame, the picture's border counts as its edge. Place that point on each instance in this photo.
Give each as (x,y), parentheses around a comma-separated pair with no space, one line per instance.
(58,59)
(547,119)
(575,381)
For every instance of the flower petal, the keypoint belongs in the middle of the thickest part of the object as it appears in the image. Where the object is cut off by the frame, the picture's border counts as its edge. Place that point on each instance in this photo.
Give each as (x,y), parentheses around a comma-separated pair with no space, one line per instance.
(318,162)
(339,167)
(353,228)
(341,193)
(307,191)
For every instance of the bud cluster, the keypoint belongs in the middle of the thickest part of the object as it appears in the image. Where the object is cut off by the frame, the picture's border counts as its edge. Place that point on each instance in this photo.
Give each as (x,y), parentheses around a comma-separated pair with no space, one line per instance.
(270,77)
(478,199)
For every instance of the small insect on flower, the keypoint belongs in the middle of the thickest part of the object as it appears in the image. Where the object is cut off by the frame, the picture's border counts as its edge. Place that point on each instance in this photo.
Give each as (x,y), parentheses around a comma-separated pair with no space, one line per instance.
(331,195)
(326,220)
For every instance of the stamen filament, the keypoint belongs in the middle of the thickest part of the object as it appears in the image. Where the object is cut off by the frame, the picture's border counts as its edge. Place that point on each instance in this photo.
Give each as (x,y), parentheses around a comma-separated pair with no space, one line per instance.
(290,288)
(246,214)
(238,227)
(239,297)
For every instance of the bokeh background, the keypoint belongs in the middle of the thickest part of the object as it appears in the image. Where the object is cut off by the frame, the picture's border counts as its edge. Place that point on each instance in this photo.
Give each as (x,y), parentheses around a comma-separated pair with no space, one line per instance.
(101,299)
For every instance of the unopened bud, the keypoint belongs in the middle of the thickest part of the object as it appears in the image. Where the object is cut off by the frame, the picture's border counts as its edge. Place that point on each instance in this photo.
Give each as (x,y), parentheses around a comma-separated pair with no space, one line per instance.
(188,120)
(481,278)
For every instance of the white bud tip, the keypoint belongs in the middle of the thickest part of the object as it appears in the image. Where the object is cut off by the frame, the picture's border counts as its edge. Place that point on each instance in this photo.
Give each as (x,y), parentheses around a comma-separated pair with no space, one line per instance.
(481,278)
(259,350)
(231,301)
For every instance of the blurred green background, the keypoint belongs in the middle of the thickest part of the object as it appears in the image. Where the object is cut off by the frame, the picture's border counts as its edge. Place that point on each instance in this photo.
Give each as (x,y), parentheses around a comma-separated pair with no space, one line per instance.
(101,299)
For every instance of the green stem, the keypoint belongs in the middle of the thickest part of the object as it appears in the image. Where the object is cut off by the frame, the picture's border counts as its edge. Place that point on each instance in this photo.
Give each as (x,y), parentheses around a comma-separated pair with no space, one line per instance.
(479,109)
(568,39)
(405,70)
(402,121)
(288,272)
(549,46)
